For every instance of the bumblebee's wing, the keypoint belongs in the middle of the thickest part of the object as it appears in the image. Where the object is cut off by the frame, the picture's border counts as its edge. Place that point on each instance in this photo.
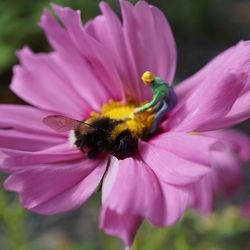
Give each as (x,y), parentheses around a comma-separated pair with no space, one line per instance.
(61,123)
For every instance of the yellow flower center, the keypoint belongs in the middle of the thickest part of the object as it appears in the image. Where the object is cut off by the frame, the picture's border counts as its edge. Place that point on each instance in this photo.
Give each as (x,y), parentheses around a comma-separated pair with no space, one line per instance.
(138,124)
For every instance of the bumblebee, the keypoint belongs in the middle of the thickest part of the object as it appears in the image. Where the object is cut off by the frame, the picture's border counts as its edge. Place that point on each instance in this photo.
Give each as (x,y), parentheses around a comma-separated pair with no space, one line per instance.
(97,136)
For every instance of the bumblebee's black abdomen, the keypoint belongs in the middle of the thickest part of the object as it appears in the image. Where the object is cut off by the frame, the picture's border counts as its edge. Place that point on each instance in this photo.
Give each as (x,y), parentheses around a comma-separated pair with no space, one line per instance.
(125,144)
(109,136)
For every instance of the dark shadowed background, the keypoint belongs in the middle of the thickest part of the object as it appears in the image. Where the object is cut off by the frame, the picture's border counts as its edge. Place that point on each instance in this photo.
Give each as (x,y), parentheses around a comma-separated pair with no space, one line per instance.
(202,29)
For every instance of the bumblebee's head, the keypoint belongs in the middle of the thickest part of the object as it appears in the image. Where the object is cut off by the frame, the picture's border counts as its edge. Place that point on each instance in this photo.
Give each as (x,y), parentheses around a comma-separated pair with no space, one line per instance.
(148,77)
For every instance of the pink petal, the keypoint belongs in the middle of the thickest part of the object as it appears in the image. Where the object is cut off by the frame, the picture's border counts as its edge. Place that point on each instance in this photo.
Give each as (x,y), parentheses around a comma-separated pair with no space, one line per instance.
(191,147)
(40,81)
(239,113)
(110,178)
(79,70)
(18,140)
(237,141)
(170,167)
(217,100)
(166,53)
(226,175)
(14,160)
(139,189)
(176,200)
(140,28)
(235,58)
(203,193)
(225,178)
(25,118)
(50,189)
(120,225)
(142,194)
(107,30)
(21,127)
(228,168)
(98,64)
(130,27)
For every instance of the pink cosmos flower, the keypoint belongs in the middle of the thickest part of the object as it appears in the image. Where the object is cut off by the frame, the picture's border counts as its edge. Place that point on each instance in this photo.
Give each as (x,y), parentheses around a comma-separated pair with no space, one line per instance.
(183,165)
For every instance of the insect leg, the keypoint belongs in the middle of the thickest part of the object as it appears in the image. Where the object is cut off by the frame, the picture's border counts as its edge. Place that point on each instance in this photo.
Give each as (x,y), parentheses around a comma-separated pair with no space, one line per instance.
(93,153)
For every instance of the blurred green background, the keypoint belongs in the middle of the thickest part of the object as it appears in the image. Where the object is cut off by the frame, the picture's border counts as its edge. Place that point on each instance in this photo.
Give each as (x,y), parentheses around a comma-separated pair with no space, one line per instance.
(202,30)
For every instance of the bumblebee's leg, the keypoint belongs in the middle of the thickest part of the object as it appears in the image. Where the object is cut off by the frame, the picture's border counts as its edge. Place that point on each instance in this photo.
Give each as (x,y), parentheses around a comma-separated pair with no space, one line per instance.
(93,153)
(80,143)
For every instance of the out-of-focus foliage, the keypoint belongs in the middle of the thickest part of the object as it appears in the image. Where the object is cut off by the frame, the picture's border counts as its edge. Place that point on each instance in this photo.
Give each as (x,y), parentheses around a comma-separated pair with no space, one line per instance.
(225,229)
(18,24)
(19,27)
(12,218)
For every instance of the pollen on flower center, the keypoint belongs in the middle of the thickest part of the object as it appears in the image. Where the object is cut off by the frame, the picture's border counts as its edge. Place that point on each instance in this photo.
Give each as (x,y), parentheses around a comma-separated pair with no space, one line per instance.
(138,124)
(117,128)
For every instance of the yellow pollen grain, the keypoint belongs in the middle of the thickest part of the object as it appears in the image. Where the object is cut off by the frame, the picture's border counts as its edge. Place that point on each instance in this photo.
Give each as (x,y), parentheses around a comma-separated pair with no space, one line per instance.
(139,124)
(193,132)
